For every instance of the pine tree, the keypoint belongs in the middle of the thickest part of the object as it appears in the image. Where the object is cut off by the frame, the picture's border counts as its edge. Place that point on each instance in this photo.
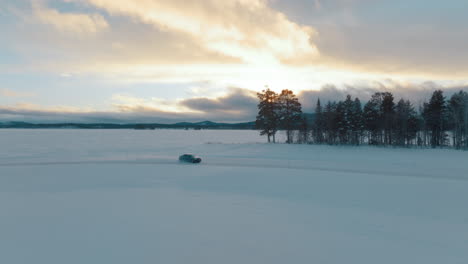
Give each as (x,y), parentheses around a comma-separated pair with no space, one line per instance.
(415,125)
(388,114)
(319,124)
(458,110)
(289,113)
(348,122)
(357,121)
(406,123)
(381,121)
(373,120)
(341,122)
(303,131)
(424,112)
(267,118)
(435,118)
(330,122)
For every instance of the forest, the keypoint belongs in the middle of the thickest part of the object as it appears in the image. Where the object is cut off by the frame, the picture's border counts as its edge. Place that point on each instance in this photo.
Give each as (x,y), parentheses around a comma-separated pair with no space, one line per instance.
(381,121)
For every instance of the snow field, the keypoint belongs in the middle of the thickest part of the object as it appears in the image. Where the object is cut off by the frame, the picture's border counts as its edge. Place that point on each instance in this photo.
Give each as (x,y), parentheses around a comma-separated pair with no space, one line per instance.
(120,196)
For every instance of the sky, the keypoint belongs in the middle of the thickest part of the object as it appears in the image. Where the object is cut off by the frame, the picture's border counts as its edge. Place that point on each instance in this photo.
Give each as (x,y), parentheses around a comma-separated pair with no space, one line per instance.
(192,60)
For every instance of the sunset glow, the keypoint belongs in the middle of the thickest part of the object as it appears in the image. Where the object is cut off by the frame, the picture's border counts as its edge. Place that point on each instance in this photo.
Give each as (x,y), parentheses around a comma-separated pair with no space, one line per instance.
(87,55)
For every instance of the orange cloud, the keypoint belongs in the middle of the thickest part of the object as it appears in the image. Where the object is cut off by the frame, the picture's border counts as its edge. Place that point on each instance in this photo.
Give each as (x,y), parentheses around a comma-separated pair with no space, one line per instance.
(247,29)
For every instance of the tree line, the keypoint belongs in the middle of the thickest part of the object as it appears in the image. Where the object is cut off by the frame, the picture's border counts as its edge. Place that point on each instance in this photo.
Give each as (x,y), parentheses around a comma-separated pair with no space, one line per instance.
(441,122)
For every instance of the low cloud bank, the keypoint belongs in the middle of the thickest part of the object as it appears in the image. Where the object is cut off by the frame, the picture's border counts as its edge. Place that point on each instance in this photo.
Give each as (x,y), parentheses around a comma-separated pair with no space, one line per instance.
(238,105)
(417,94)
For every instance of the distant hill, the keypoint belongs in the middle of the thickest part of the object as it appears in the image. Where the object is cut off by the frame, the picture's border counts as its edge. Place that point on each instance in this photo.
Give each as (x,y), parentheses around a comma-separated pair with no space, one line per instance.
(141,126)
(182,125)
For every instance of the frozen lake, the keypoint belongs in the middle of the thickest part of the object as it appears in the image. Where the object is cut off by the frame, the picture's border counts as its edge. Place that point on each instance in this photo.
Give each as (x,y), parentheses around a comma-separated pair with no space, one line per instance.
(120,196)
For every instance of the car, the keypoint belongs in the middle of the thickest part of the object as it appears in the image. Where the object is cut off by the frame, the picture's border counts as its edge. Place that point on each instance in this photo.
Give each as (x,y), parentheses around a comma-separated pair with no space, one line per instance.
(189,158)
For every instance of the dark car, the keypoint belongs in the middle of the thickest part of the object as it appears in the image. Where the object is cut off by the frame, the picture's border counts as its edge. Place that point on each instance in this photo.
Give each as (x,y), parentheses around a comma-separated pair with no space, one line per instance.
(189,158)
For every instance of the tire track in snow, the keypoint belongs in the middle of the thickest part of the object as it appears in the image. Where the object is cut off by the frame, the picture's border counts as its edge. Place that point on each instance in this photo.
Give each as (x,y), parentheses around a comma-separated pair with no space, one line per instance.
(240,163)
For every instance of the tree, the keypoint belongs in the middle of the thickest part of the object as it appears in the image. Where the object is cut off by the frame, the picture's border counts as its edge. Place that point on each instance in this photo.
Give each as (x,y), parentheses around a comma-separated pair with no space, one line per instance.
(319,124)
(388,113)
(267,118)
(458,111)
(415,125)
(347,120)
(357,122)
(289,113)
(435,117)
(406,123)
(331,126)
(380,122)
(303,136)
(372,119)
(425,128)
(341,122)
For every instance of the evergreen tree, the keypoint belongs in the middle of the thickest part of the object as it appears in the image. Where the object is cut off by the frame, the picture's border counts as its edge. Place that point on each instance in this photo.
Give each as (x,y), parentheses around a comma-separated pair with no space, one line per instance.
(401,122)
(357,121)
(415,125)
(388,114)
(267,118)
(372,119)
(340,122)
(406,123)
(458,109)
(319,124)
(347,120)
(289,113)
(330,122)
(423,110)
(303,137)
(435,117)
(381,121)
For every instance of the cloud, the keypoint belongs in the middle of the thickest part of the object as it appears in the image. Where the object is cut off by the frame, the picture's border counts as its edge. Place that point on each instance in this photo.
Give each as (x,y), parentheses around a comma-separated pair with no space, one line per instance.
(11,93)
(246,29)
(418,52)
(379,37)
(40,114)
(77,23)
(121,48)
(128,104)
(238,105)
(213,40)
(343,35)
(238,101)
(416,93)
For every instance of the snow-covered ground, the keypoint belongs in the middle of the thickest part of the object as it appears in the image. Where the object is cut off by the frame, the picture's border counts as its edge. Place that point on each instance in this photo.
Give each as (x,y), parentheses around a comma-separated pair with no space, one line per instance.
(120,196)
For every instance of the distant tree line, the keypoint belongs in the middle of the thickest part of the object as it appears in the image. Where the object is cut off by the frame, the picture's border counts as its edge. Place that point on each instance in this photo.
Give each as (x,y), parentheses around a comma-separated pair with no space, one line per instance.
(381,121)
